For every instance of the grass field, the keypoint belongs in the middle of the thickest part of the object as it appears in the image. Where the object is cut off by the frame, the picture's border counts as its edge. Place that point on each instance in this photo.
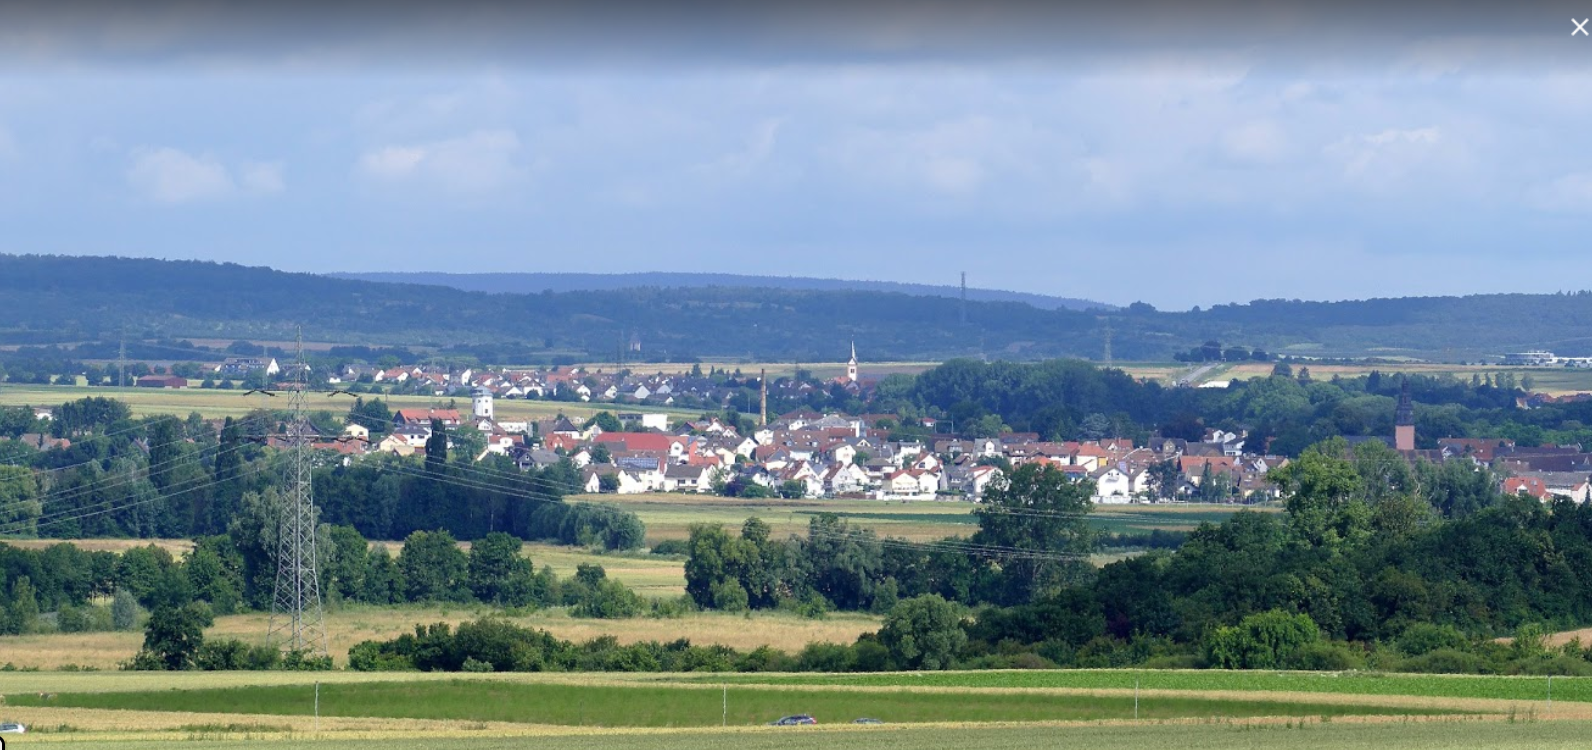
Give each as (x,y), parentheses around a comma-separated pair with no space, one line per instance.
(214,404)
(669,516)
(1554,380)
(1576,689)
(996,710)
(1403,735)
(349,625)
(675,705)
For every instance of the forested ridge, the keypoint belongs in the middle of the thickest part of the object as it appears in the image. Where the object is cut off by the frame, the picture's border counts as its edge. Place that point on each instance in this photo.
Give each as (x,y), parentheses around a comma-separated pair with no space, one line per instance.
(70,299)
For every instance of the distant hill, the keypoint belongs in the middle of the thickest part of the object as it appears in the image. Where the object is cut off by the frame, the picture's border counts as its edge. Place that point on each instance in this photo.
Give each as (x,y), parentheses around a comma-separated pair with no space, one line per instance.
(54,299)
(532,283)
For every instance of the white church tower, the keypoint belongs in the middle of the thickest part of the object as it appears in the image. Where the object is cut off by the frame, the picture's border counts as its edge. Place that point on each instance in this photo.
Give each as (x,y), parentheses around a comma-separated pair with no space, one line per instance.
(851,366)
(483,403)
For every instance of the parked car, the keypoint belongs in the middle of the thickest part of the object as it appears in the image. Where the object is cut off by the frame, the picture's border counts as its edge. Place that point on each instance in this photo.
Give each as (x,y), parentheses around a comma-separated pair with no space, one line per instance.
(791,721)
(866,720)
(12,727)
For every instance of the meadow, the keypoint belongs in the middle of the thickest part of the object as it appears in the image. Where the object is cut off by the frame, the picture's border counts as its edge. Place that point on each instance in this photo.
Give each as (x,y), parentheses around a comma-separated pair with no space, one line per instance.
(966,710)
(1552,380)
(669,515)
(601,711)
(680,705)
(215,404)
(1533,688)
(1461,734)
(348,625)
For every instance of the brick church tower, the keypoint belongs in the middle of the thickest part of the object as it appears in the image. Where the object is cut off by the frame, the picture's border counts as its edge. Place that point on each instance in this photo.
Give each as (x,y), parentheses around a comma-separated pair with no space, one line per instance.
(1404,420)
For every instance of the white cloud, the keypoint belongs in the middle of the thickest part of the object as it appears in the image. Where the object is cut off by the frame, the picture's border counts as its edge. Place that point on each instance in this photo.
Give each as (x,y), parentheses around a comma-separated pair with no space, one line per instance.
(169,175)
(1260,142)
(261,177)
(393,161)
(480,161)
(1389,158)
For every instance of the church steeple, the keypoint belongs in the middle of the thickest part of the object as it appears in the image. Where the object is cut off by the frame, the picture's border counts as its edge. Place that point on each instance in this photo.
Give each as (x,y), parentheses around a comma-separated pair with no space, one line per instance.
(851,365)
(1405,413)
(1404,420)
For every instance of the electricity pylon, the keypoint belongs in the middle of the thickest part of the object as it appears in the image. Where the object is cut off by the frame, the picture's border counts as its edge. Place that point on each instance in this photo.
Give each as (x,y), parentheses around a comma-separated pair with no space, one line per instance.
(297,622)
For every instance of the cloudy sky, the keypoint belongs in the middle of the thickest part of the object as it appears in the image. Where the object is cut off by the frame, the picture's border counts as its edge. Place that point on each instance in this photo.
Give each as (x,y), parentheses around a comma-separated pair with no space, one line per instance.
(1181,155)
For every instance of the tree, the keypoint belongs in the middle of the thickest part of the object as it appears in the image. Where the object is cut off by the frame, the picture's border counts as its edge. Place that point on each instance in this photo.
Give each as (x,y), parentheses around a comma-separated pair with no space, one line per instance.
(606,422)
(1265,640)
(1165,476)
(1036,517)
(437,448)
(1094,427)
(433,567)
(124,610)
(496,567)
(1322,493)
(608,482)
(20,505)
(924,632)
(601,455)
(174,635)
(23,614)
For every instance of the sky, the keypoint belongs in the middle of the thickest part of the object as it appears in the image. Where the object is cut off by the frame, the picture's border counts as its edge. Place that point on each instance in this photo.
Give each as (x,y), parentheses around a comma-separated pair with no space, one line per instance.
(1179,154)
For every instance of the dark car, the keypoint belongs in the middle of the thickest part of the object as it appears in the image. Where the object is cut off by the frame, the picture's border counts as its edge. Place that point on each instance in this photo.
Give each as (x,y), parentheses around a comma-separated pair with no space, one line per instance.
(791,721)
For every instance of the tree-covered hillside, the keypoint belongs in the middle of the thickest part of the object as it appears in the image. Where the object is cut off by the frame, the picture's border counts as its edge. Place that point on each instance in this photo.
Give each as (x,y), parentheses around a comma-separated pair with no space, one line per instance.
(67,299)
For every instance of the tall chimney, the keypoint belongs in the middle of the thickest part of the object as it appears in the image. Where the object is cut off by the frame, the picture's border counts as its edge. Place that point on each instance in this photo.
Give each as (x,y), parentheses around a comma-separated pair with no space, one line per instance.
(762,381)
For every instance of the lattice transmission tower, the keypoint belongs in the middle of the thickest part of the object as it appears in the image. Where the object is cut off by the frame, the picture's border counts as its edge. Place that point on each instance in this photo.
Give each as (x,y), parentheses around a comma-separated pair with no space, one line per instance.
(297,622)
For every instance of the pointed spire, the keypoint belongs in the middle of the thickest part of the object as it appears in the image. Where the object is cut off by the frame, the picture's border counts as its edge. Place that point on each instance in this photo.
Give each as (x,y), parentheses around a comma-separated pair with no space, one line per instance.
(854,352)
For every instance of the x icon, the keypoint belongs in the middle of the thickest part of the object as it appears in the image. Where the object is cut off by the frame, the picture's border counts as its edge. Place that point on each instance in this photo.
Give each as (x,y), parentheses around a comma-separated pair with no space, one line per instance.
(1580,27)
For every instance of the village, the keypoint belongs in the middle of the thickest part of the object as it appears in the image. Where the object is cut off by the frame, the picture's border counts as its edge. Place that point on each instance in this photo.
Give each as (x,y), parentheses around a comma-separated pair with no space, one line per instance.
(808,454)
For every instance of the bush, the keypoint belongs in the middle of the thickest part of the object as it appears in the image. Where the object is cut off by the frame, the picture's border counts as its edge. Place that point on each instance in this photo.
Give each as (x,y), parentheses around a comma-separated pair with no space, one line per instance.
(1558,665)
(672,609)
(924,632)
(1423,638)
(609,599)
(826,657)
(729,596)
(672,548)
(471,664)
(215,656)
(1266,640)
(1445,661)
(1328,657)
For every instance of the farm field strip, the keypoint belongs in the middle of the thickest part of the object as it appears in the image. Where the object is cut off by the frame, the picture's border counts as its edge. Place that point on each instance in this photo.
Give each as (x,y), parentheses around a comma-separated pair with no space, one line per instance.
(214,403)
(1571,689)
(1391,733)
(352,624)
(677,705)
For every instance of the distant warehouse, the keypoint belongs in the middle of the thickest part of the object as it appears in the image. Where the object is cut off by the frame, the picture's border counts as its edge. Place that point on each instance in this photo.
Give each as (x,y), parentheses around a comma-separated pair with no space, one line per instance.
(162,381)
(1545,359)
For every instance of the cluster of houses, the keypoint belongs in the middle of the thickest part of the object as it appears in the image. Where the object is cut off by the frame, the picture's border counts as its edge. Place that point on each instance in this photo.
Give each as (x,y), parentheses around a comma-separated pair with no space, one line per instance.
(576,383)
(824,455)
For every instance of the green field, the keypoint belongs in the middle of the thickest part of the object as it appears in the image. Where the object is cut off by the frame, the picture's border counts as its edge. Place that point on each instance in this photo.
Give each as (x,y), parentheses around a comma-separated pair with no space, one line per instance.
(962,710)
(669,516)
(1576,689)
(1461,734)
(681,705)
(214,404)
